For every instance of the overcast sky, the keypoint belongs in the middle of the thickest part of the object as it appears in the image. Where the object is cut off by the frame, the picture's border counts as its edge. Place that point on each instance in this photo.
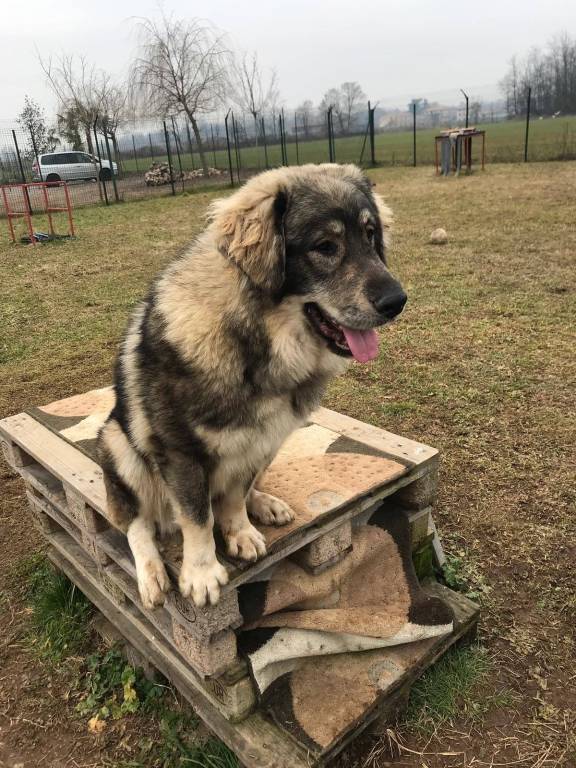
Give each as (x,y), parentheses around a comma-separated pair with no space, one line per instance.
(396,49)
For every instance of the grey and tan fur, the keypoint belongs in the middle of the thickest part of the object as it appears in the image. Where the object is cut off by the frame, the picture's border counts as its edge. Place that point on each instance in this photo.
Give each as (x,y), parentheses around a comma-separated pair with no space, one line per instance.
(229,353)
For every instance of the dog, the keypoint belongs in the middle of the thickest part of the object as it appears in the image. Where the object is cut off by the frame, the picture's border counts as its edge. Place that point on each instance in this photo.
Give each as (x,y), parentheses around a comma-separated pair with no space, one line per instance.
(229,352)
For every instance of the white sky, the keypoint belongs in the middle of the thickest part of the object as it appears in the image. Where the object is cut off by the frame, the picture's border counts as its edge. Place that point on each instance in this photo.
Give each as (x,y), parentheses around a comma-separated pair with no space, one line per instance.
(396,49)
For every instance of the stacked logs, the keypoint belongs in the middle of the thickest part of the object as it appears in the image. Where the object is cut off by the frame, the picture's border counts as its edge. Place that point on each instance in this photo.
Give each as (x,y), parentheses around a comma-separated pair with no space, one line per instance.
(159,173)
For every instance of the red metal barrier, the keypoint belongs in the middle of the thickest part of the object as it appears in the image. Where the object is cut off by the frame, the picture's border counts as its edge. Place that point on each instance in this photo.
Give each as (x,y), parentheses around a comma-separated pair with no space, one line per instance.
(45,187)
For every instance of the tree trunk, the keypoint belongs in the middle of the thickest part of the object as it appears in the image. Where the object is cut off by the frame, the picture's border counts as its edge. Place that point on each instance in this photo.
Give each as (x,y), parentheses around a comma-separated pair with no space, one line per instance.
(199,143)
(89,144)
(116,151)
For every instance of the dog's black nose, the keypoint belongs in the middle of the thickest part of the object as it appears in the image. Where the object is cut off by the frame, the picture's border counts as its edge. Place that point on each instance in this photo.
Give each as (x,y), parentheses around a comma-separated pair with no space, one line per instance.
(390,305)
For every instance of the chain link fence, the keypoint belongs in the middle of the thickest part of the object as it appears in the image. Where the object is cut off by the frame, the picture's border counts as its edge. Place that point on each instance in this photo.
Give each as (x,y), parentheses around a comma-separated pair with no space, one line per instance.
(152,157)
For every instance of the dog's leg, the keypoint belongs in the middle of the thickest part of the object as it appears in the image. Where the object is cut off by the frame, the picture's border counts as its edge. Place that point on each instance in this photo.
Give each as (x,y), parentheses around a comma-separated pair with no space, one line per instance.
(201,575)
(153,581)
(131,507)
(268,509)
(243,540)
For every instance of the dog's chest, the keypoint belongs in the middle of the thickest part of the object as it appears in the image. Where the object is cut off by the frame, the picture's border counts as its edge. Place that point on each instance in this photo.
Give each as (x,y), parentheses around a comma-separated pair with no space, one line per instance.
(243,451)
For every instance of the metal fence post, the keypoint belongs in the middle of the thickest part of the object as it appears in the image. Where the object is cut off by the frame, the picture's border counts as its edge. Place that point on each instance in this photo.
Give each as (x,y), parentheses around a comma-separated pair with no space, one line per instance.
(101,181)
(528,104)
(283,137)
(213,145)
(236,147)
(22,174)
(228,148)
(167,140)
(371,111)
(265,143)
(331,142)
(190,145)
(35,148)
(296,138)
(281,132)
(135,155)
(106,141)
(414,133)
(467,111)
(177,151)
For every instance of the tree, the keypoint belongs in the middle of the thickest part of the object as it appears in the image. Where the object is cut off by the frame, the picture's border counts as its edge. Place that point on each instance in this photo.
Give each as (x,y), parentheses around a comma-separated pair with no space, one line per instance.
(345,102)
(80,89)
(306,112)
(475,108)
(332,98)
(113,111)
(421,105)
(182,69)
(250,90)
(352,96)
(38,134)
(69,127)
(550,74)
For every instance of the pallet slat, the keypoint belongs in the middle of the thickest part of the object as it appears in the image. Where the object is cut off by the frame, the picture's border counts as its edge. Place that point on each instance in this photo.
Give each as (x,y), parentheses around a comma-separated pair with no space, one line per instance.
(402,449)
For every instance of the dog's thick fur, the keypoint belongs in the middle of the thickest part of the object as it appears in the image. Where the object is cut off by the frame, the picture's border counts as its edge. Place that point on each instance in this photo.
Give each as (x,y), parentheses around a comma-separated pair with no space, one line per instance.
(221,362)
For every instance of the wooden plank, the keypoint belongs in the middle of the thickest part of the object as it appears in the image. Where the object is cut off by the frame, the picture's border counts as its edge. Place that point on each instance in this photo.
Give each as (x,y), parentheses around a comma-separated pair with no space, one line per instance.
(402,449)
(329,548)
(62,459)
(419,520)
(75,470)
(36,476)
(206,655)
(257,742)
(13,454)
(439,555)
(116,546)
(422,492)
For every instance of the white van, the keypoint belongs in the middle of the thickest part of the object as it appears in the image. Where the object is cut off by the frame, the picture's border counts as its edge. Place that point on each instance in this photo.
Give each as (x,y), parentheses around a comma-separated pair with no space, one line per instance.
(64,166)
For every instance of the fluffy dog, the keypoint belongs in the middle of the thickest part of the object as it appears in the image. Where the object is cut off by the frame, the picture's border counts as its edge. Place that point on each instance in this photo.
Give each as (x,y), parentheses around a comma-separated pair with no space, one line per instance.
(230,352)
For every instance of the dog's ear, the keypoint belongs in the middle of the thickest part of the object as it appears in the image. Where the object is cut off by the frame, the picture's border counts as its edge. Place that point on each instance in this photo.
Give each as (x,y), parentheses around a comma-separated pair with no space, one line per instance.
(386,218)
(250,232)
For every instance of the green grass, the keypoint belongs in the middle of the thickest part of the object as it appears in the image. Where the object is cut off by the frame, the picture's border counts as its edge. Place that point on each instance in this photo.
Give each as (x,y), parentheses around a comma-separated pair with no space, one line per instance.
(548,140)
(453,688)
(60,612)
(105,687)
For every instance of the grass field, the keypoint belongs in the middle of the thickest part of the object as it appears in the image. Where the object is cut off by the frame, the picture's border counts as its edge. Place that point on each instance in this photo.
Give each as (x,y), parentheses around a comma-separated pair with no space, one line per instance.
(481,365)
(549,140)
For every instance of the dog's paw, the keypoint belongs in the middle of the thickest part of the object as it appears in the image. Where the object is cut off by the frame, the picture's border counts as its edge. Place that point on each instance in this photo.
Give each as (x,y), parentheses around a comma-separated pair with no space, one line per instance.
(269,510)
(202,582)
(247,543)
(153,583)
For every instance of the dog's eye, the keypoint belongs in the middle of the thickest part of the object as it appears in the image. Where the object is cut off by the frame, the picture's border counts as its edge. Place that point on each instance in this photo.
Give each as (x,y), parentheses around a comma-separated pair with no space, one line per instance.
(327,247)
(371,233)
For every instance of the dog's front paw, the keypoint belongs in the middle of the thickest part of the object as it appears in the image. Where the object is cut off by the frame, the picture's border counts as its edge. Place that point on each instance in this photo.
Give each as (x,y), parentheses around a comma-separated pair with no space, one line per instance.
(247,543)
(153,583)
(269,510)
(202,582)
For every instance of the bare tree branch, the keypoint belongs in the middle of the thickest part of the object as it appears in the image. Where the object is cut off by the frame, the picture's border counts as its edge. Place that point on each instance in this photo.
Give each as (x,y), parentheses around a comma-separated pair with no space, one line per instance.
(182,67)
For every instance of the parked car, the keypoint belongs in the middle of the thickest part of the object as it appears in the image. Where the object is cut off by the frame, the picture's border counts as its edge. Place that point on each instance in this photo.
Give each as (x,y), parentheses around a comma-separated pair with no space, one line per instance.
(64,166)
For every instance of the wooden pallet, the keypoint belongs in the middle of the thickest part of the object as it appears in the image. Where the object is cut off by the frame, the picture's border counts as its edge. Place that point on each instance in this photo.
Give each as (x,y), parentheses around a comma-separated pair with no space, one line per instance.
(66,496)
(54,469)
(257,741)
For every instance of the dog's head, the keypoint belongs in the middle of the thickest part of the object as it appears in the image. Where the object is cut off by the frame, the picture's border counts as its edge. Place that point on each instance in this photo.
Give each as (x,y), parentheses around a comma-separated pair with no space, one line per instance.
(319,233)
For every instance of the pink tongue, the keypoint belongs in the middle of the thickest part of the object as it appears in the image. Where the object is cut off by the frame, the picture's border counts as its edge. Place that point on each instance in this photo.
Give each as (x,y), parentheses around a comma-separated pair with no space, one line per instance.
(363,344)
